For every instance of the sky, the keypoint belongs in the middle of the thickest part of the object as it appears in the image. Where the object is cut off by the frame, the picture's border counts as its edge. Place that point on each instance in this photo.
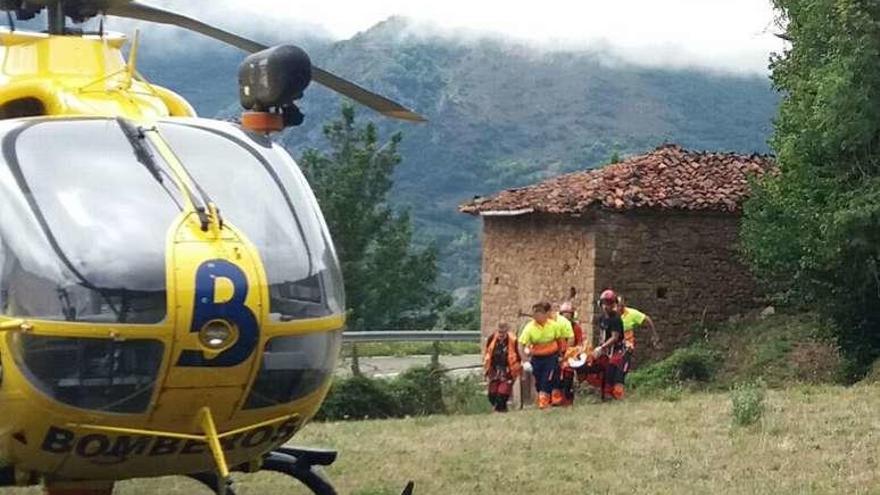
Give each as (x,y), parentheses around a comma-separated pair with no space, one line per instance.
(724,35)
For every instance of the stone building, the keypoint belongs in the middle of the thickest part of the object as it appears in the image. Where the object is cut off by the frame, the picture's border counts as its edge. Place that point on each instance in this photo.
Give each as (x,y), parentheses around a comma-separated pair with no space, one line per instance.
(661,229)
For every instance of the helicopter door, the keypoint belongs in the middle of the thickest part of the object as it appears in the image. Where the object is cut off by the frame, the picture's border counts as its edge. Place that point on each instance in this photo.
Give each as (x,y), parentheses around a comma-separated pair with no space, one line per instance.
(275,264)
(218,291)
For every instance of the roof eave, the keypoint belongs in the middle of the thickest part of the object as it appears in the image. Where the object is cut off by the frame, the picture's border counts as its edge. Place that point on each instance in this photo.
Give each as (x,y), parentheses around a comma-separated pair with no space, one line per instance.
(507,213)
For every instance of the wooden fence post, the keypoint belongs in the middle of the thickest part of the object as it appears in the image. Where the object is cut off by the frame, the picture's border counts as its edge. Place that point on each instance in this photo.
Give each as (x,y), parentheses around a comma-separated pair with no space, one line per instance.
(355,361)
(435,355)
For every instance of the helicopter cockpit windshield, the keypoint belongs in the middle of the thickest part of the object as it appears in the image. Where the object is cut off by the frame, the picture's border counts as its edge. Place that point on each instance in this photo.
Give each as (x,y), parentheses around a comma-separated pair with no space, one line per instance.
(260,190)
(85,210)
(82,224)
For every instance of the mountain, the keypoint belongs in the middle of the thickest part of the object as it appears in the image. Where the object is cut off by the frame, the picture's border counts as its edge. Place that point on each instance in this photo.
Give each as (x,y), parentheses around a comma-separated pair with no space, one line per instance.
(501,114)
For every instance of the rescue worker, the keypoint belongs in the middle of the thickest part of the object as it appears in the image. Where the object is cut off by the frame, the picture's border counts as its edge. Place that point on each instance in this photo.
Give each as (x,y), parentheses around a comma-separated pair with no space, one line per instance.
(608,368)
(540,339)
(565,335)
(502,366)
(566,310)
(634,319)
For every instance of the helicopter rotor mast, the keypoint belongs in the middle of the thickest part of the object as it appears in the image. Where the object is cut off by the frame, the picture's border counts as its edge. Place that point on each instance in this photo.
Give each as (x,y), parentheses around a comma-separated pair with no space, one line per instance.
(55,11)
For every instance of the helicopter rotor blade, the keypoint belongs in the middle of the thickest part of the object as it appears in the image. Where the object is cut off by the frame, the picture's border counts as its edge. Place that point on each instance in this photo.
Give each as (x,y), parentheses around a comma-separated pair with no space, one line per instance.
(363,96)
(381,104)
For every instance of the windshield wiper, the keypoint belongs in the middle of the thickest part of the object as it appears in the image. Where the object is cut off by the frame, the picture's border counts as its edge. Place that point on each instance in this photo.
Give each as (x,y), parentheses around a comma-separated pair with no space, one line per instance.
(142,153)
(66,307)
(137,137)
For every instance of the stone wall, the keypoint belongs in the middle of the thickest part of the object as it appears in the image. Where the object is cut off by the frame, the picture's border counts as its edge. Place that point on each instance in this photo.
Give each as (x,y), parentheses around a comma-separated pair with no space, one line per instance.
(682,269)
(531,258)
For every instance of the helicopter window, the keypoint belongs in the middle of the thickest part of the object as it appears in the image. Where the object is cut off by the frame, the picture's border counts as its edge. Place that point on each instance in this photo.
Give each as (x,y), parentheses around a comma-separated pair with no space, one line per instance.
(269,200)
(94,374)
(23,60)
(304,201)
(23,107)
(83,227)
(294,367)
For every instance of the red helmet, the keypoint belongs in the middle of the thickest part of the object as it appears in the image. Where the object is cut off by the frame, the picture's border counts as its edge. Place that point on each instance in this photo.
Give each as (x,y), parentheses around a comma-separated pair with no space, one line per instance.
(608,295)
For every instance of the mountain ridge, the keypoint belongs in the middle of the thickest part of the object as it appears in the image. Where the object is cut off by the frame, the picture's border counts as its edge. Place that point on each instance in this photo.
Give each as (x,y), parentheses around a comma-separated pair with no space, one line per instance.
(501,114)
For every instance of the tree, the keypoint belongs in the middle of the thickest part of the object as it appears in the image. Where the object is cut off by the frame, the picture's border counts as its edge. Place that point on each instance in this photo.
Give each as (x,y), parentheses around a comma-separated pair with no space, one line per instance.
(615,157)
(389,284)
(812,232)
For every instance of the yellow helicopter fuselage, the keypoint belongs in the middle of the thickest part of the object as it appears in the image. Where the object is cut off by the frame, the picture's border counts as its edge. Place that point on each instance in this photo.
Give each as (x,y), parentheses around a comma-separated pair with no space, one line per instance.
(190,336)
(71,75)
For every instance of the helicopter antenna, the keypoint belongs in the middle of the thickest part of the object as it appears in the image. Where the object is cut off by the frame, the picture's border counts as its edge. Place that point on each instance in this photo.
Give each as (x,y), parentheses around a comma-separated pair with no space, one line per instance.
(11,20)
(101,26)
(131,68)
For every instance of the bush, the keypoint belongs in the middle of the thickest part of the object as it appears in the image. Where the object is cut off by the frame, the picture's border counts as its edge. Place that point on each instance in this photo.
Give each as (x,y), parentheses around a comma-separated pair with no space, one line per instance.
(688,365)
(415,392)
(747,401)
(359,397)
(419,391)
(873,374)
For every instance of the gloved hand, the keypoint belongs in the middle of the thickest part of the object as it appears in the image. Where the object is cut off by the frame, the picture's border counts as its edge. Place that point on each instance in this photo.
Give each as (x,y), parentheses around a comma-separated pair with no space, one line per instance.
(527,351)
(597,352)
(527,366)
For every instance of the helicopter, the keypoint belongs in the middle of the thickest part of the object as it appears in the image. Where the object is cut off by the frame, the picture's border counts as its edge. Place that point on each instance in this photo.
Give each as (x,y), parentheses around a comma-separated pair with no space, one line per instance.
(170,299)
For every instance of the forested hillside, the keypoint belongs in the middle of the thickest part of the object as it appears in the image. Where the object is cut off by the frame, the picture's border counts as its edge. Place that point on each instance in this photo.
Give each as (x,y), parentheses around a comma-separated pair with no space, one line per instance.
(501,115)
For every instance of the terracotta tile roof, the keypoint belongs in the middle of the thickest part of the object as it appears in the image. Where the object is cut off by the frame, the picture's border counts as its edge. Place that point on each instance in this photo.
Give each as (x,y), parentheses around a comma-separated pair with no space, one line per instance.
(668,178)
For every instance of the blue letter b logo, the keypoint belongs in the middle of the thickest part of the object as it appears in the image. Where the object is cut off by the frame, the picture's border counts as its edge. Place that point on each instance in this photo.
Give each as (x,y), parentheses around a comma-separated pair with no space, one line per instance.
(233,311)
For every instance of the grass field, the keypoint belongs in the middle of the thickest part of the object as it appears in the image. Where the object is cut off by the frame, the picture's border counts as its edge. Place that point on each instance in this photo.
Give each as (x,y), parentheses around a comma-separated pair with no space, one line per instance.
(811,439)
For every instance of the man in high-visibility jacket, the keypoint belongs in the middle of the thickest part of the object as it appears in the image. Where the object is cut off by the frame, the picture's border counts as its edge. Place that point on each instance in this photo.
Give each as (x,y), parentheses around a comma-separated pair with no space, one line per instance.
(634,319)
(541,340)
(608,367)
(566,335)
(502,366)
(566,374)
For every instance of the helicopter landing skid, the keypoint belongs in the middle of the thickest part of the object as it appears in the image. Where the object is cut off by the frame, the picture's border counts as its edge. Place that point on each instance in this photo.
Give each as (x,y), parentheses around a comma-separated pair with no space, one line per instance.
(301,464)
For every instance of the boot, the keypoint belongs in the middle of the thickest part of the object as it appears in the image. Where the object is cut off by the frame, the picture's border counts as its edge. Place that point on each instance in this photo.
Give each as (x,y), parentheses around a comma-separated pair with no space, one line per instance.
(543,400)
(556,398)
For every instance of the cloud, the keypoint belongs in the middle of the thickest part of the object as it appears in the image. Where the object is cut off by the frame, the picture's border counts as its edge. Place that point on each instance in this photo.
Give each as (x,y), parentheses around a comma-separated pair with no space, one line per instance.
(726,35)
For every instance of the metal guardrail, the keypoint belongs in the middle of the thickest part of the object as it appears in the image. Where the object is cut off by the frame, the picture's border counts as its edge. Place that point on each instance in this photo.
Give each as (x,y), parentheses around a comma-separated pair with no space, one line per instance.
(411,336)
